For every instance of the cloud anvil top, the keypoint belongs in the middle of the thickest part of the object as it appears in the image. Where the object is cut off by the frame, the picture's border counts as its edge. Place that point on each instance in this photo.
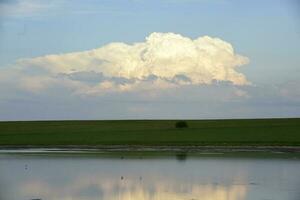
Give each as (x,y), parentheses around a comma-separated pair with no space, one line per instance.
(163,60)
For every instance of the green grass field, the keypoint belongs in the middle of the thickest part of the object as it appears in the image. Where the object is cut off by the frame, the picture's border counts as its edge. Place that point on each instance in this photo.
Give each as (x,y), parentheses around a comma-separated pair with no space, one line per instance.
(152,132)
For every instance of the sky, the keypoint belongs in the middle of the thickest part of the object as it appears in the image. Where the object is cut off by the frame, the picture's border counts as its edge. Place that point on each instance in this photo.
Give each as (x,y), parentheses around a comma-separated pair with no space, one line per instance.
(159,59)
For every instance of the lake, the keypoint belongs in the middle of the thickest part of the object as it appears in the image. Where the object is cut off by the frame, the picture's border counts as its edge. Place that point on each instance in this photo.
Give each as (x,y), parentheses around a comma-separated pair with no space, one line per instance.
(120,177)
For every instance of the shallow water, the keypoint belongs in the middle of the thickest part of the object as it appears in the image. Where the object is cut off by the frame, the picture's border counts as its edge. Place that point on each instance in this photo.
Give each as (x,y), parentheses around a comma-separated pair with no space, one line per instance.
(85,177)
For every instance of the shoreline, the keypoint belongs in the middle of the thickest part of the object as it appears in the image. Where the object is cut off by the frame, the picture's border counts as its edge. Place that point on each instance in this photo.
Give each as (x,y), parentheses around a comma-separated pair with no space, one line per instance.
(148,148)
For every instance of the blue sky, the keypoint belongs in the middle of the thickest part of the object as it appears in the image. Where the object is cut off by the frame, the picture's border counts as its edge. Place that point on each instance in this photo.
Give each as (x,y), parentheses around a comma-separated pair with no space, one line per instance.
(266,32)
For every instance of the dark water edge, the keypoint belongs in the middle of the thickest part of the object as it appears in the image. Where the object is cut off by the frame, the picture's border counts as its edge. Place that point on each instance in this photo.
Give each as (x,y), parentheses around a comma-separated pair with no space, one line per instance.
(140,152)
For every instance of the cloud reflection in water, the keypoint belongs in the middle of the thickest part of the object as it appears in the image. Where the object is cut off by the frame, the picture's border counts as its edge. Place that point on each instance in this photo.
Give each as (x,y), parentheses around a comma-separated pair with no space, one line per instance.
(92,188)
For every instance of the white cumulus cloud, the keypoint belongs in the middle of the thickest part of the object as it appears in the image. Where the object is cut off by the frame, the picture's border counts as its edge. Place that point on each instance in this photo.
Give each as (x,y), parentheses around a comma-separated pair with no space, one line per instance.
(163,60)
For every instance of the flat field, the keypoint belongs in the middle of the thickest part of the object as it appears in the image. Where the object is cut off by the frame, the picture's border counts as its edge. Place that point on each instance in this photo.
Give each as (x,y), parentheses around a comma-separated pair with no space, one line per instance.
(258,132)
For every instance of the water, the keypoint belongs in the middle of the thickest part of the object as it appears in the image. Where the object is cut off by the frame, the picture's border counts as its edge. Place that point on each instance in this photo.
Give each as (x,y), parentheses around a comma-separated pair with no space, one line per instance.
(69,177)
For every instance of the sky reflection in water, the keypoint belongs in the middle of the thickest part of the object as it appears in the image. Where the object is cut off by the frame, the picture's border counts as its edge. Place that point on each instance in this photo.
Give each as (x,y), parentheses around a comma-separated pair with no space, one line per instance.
(81,178)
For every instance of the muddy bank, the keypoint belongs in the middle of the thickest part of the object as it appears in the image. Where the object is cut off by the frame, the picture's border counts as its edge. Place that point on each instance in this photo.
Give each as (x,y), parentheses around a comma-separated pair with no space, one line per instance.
(140,148)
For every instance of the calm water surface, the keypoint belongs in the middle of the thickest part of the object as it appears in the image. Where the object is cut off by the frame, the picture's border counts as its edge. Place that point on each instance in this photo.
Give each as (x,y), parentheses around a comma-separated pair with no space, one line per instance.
(69,177)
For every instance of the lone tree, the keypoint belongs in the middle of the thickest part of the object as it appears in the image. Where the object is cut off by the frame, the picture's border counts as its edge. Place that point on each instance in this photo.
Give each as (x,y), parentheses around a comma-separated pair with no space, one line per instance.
(181,124)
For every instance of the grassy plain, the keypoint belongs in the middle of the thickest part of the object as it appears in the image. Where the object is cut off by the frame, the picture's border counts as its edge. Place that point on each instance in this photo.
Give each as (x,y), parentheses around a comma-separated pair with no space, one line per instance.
(258,132)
